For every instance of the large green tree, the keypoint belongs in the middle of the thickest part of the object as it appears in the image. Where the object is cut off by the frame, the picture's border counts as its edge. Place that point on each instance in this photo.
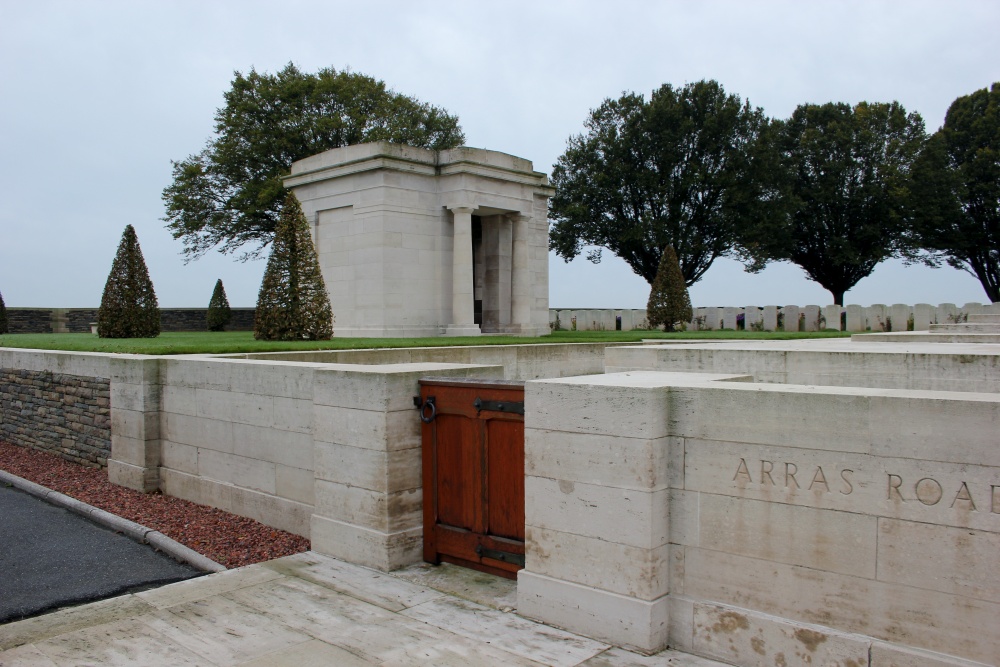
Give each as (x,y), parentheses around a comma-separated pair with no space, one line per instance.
(846,170)
(129,308)
(229,195)
(293,303)
(684,169)
(956,190)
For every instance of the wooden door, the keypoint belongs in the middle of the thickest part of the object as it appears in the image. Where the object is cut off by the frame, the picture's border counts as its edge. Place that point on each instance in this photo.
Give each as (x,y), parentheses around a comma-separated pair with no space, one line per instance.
(473,473)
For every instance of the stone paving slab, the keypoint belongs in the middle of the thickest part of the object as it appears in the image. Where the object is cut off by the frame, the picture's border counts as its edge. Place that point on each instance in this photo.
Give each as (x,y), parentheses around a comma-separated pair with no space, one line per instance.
(310,610)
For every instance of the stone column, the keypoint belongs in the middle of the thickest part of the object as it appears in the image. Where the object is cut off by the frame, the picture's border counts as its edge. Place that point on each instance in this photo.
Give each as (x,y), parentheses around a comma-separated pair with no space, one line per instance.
(520,277)
(462,281)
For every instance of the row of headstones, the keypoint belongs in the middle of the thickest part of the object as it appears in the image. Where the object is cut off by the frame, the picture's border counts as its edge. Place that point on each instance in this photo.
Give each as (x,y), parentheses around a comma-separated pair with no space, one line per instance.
(877,317)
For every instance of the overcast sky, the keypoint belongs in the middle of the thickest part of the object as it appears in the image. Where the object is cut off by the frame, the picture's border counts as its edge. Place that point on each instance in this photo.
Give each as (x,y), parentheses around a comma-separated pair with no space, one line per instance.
(96,99)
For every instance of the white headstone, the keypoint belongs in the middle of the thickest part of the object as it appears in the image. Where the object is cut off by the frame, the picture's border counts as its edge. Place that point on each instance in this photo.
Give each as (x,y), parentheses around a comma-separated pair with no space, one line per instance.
(769,317)
(855,318)
(876,317)
(812,318)
(729,317)
(923,315)
(831,314)
(790,318)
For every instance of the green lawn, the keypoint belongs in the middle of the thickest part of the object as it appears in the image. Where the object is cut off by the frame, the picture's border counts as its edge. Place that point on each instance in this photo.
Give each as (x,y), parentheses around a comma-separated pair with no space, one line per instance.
(242,341)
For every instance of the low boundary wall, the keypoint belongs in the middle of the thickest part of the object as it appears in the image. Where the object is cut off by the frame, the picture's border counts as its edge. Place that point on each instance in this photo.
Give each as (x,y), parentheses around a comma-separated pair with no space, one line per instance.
(63,414)
(78,320)
(877,317)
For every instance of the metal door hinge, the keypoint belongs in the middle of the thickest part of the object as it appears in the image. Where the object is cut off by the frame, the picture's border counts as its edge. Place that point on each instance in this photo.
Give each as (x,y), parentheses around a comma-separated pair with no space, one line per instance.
(495,554)
(512,407)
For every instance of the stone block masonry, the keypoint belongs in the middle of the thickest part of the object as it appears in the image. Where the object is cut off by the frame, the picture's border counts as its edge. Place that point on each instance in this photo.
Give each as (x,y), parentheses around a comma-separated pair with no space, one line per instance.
(66,415)
(764,524)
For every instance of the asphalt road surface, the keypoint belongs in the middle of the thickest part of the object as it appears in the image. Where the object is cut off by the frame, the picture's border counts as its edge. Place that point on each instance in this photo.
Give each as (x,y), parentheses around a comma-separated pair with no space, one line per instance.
(51,557)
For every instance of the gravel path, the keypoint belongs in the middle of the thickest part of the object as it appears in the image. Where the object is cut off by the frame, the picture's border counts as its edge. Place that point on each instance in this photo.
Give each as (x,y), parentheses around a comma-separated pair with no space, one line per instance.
(225,538)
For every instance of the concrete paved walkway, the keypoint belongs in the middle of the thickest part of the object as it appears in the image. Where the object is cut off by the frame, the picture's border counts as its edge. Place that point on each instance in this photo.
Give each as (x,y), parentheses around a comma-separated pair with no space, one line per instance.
(310,610)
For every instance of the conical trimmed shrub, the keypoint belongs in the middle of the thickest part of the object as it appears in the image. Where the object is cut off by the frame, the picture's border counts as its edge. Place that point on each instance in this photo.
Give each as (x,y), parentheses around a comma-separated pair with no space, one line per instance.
(4,324)
(128,306)
(219,313)
(293,303)
(669,301)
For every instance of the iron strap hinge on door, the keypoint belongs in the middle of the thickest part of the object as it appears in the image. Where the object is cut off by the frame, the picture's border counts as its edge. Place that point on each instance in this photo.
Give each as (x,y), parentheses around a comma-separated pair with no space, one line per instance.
(512,407)
(495,554)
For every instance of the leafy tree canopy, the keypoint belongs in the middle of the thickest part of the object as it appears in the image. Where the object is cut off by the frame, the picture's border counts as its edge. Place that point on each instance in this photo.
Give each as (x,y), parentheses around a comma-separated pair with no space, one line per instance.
(684,169)
(229,195)
(956,191)
(128,306)
(293,303)
(846,171)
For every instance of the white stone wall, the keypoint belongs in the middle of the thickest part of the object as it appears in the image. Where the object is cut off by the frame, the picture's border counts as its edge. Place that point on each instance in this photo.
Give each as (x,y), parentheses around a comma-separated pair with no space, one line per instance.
(327,451)
(764,524)
(239,436)
(875,318)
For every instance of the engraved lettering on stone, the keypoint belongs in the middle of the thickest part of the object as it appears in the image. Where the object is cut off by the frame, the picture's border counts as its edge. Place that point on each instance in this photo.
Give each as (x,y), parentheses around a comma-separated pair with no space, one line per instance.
(765,472)
(964,496)
(819,478)
(847,482)
(929,491)
(742,470)
(995,498)
(895,481)
(790,470)
(818,481)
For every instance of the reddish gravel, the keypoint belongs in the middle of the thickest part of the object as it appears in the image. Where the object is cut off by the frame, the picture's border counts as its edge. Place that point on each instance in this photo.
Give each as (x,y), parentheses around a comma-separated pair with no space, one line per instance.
(225,538)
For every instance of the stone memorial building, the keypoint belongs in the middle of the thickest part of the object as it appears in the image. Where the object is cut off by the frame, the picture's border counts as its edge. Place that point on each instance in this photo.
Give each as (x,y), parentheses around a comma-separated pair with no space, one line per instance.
(417,242)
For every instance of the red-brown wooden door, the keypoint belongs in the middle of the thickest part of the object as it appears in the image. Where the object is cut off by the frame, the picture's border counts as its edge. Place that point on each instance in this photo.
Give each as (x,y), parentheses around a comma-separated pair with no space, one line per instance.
(473,473)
